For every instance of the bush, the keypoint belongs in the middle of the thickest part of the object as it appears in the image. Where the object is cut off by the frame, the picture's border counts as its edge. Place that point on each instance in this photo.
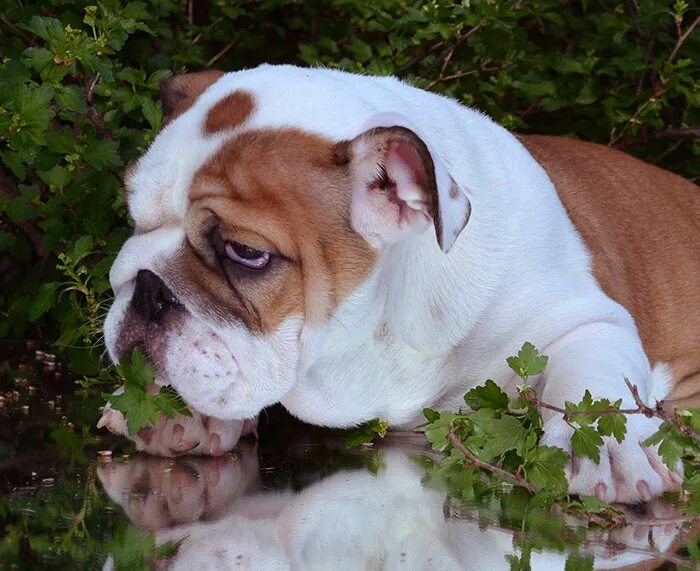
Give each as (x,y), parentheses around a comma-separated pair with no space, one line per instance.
(80,86)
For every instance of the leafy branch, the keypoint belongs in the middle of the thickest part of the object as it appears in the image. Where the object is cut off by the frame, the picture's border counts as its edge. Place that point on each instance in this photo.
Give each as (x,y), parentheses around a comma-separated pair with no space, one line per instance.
(500,437)
(140,403)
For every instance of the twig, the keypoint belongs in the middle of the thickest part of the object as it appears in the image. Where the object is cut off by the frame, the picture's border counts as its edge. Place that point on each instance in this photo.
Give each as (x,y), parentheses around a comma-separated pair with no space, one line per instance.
(222,52)
(92,113)
(682,39)
(660,413)
(530,398)
(642,408)
(26,37)
(514,478)
(670,133)
(439,45)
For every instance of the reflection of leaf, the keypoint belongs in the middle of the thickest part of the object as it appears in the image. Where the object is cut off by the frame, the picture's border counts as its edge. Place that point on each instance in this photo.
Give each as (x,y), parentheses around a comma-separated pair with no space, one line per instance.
(579,562)
(366,433)
(132,548)
(72,444)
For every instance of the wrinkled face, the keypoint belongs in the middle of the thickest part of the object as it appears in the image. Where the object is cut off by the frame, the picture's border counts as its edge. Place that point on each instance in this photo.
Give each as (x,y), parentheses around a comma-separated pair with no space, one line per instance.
(245,235)
(217,294)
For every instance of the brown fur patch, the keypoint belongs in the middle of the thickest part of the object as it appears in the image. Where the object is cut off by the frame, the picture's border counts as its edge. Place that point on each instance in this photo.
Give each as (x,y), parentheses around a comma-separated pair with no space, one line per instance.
(282,191)
(178,93)
(230,112)
(642,227)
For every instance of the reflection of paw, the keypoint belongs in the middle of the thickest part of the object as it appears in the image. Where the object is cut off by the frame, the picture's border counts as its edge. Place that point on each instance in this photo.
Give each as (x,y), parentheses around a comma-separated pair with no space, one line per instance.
(157,493)
(196,435)
(628,472)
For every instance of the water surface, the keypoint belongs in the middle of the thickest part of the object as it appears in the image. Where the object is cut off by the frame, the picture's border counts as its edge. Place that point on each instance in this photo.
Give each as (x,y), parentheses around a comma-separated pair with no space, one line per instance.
(74,497)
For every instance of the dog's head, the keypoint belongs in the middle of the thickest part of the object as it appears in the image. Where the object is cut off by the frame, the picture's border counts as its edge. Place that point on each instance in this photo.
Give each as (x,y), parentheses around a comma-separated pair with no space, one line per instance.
(264,203)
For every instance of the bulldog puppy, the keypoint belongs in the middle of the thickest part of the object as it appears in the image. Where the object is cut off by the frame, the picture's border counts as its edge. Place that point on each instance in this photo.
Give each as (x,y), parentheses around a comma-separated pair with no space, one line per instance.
(353,248)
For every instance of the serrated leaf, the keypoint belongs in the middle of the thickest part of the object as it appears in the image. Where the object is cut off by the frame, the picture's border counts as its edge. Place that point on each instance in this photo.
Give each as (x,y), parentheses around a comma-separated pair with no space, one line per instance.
(170,403)
(613,425)
(489,395)
(137,372)
(586,442)
(153,113)
(58,177)
(44,301)
(545,469)
(137,406)
(81,248)
(366,433)
(505,433)
(430,414)
(528,362)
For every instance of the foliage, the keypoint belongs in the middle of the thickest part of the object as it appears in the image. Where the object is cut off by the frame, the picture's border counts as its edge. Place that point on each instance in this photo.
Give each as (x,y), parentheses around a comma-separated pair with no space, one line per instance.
(80,83)
(137,403)
(499,438)
(366,433)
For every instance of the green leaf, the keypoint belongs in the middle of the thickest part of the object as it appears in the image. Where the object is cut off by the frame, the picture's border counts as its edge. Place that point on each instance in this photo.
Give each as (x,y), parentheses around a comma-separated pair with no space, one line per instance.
(545,469)
(57,178)
(489,395)
(137,372)
(613,424)
(430,414)
(137,406)
(505,433)
(587,442)
(81,247)
(153,113)
(528,362)
(44,301)
(366,433)
(170,403)
(579,562)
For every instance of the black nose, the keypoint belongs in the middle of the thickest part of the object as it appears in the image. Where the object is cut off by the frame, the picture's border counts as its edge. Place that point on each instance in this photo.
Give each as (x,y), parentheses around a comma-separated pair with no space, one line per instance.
(152,299)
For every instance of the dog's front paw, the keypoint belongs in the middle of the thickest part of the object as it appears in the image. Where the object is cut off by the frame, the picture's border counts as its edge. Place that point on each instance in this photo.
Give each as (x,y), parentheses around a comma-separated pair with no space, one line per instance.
(628,472)
(195,435)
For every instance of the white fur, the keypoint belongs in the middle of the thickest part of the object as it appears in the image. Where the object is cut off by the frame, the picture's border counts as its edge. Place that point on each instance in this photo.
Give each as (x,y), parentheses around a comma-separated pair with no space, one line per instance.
(425,326)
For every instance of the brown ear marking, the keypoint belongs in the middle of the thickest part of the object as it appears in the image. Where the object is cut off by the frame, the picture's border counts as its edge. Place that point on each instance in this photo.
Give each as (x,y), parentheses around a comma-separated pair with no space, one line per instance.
(179,92)
(230,112)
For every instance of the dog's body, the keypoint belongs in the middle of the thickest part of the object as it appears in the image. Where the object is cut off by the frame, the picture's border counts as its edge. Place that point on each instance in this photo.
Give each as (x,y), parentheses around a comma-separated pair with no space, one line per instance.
(353,248)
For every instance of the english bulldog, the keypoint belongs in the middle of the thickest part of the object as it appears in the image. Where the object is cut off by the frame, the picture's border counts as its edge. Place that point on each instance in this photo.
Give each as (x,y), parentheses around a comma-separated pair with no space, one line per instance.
(353,247)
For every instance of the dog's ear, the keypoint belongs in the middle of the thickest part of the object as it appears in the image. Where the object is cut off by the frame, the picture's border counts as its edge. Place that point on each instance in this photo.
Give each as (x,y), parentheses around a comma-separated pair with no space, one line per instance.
(400,186)
(179,92)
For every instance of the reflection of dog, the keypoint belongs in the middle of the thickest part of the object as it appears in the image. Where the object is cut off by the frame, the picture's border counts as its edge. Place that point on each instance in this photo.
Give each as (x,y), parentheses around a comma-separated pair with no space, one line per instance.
(350,520)
(354,248)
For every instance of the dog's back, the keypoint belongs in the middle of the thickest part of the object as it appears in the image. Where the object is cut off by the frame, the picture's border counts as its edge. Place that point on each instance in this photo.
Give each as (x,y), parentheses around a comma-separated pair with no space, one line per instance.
(641,225)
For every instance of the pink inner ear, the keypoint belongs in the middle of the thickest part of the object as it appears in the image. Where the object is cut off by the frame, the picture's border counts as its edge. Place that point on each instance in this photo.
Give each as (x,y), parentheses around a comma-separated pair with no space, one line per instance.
(406,154)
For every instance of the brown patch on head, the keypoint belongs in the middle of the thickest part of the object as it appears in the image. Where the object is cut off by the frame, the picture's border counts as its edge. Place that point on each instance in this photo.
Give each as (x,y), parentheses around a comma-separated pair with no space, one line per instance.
(281,191)
(178,93)
(454,192)
(230,112)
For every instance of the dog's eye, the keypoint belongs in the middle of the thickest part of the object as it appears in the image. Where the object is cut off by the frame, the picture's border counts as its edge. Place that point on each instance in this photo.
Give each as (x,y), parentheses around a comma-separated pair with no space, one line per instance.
(247,256)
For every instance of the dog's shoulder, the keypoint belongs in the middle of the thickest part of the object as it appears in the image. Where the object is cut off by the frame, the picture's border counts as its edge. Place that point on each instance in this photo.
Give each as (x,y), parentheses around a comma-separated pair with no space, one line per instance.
(641,226)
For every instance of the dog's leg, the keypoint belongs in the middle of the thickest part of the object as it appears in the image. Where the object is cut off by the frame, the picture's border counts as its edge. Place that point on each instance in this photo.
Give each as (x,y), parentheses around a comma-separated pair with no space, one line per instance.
(196,435)
(599,357)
